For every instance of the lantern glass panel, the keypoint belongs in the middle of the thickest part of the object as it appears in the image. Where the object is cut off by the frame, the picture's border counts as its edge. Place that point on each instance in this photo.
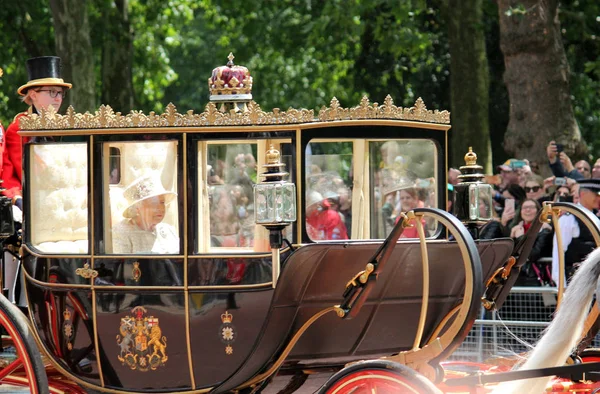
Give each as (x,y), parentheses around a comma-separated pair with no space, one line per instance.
(480,202)
(275,203)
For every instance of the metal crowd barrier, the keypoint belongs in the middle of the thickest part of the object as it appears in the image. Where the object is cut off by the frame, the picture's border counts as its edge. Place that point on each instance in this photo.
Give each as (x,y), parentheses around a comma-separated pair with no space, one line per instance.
(514,329)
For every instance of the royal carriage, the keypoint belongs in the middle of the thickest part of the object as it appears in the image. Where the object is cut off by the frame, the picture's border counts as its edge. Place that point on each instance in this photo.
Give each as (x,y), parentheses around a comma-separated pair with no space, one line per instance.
(280,248)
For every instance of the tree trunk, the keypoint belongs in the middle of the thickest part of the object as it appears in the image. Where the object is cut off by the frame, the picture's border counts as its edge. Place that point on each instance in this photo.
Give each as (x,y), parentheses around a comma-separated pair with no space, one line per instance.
(469,84)
(117,55)
(537,79)
(73,45)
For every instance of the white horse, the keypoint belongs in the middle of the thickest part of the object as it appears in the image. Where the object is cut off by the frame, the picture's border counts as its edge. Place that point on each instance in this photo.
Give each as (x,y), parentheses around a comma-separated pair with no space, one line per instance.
(563,334)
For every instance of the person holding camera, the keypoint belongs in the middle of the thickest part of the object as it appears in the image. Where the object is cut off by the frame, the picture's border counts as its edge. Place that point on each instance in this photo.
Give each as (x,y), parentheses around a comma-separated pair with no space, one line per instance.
(560,164)
(577,240)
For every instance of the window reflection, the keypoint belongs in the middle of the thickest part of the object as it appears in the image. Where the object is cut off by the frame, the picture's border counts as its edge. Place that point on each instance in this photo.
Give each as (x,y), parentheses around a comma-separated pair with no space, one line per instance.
(231,175)
(329,181)
(403,178)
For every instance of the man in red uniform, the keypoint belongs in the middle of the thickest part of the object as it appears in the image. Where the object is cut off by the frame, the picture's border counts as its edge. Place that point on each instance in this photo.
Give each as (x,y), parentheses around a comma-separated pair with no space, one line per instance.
(45,88)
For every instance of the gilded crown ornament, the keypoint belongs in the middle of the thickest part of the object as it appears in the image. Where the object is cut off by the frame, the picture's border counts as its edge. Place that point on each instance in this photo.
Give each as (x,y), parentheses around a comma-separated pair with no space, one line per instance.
(230,82)
(471,157)
(272,155)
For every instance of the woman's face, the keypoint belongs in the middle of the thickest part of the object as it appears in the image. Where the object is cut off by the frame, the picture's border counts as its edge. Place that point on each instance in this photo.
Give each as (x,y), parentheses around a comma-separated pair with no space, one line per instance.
(151,212)
(407,201)
(46,96)
(528,211)
(534,190)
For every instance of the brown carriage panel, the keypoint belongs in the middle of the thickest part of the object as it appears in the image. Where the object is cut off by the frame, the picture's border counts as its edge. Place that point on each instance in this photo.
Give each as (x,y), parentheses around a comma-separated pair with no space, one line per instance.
(229,271)
(393,328)
(142,336)
(388,320)
(270,341)
(139,272)
(63,322)
(339,264)
(493,254)
(298,272)
(224,328)
(57,269)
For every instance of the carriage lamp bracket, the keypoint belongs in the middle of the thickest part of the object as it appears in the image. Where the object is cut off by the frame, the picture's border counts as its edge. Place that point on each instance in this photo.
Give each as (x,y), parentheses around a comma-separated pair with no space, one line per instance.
(275,205)
(472,194)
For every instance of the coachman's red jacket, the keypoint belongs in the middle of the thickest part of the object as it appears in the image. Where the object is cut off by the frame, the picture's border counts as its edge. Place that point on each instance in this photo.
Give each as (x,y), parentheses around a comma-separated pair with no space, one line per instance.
(11,159)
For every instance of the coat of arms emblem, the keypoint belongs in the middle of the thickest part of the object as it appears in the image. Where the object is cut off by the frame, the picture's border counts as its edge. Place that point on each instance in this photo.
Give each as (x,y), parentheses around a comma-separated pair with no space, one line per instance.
(142,345)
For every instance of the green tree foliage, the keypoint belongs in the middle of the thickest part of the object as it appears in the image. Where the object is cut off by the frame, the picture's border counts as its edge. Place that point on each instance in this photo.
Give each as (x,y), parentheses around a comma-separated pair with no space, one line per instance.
(303,53)
(581,36)
(25,31)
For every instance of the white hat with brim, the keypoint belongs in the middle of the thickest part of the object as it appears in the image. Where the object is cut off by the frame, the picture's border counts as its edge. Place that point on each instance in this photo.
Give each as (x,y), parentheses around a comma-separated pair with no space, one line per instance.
(143,189)
(313,197)
(43,82)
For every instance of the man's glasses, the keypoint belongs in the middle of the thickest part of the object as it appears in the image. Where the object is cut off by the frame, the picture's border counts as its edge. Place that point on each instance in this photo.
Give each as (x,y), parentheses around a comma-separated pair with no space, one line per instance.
(533,189)
(54,93)
(583,169)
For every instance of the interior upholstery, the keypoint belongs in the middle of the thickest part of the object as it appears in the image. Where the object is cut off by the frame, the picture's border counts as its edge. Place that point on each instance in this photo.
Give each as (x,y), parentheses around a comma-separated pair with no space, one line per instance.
(59,198)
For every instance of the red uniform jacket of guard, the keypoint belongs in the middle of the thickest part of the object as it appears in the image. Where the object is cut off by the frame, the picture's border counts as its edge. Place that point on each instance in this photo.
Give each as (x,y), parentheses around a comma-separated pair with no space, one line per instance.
(12,159)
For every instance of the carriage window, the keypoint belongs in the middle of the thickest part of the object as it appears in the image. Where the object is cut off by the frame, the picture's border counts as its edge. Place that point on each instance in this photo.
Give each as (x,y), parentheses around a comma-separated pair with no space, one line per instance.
(59,208)
(231,172)
(329,179)
(402,177)
(141,214)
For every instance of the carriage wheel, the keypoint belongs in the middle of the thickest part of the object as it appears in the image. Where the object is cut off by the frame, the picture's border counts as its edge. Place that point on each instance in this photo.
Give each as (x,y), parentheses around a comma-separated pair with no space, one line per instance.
(378,377)
(24,366)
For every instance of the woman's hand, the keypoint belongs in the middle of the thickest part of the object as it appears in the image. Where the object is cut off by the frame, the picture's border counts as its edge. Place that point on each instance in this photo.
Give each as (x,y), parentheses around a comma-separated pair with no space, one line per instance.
(507,216)
(548,182)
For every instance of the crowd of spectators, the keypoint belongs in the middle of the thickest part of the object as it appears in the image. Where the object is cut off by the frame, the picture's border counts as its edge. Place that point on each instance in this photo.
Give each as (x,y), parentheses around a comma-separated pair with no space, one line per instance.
(519,192)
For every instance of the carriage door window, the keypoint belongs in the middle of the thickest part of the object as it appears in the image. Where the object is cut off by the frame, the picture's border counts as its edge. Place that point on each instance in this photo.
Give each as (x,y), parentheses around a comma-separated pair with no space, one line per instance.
(59,207)
(230,173)
(328,194)
(140,215)
(402,177)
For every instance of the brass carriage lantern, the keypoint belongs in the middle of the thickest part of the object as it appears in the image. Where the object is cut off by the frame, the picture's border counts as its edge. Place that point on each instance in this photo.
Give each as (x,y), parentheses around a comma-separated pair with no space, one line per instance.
(275,204)
(473,197)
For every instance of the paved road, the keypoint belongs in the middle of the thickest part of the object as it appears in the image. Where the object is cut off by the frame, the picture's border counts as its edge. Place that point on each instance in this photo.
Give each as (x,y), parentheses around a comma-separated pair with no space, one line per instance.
(312,384)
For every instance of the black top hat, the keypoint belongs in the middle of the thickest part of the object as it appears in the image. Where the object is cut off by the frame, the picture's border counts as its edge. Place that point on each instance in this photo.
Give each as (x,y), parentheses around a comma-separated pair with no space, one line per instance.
(43,71)
(592,184)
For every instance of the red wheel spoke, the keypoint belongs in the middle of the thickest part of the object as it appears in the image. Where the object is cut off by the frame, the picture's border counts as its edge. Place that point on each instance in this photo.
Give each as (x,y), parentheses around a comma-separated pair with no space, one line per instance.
(4,372)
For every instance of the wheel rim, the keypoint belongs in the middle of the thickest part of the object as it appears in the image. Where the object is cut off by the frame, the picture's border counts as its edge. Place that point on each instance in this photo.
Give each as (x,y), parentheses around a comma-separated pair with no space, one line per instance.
(374,382)
(21,364)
